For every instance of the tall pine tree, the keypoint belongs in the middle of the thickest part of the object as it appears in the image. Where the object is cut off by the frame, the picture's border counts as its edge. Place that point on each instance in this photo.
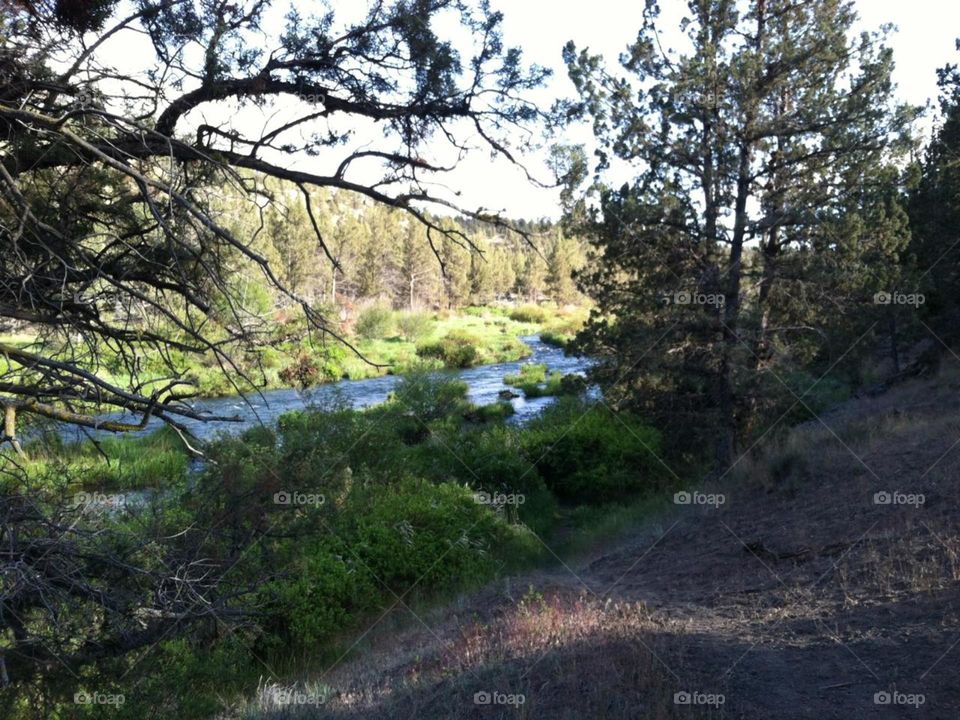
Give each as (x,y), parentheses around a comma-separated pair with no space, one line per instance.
(746,144)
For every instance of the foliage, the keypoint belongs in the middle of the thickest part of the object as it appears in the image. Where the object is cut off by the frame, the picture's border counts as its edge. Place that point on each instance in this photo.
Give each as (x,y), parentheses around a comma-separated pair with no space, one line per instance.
(375,321)
(586,452)
(529,373)
(457,349)
(158,460)
(775,125)
(535,381)
(935,213)
(414,326)
(557,339)
(528,313)
(204,266)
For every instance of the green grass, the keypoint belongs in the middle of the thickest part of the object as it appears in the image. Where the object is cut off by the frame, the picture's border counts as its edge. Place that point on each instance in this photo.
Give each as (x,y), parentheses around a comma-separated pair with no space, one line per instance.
(113,463)
(535,381)
(529,373)
(585,528)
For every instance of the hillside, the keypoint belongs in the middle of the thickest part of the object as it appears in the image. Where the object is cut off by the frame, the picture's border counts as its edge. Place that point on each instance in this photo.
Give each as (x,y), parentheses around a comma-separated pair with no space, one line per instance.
(802,596)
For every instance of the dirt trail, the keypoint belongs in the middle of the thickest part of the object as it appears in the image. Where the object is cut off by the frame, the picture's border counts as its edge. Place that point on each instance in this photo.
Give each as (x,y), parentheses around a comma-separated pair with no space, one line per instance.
(800,596)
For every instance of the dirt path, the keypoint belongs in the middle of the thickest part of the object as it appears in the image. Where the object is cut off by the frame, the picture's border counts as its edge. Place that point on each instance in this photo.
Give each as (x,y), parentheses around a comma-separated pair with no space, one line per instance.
(800,596)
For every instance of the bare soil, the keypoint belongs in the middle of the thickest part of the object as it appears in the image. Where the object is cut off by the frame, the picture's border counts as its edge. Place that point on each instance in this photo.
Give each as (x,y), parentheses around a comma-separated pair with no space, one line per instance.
(800,596)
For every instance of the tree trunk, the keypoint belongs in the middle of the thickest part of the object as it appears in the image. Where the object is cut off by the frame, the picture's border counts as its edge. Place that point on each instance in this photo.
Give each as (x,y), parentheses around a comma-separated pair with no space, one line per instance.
(892,329)
(10,428)
(726,395)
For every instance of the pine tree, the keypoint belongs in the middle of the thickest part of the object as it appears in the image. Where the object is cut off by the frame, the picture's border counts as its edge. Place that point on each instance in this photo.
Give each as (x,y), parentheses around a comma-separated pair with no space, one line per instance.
(935,212)
(757,134)
(415,266)
(561,264)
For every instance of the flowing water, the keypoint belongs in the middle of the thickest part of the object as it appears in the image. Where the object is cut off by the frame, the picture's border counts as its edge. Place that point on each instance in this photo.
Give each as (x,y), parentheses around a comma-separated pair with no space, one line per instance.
(485,384)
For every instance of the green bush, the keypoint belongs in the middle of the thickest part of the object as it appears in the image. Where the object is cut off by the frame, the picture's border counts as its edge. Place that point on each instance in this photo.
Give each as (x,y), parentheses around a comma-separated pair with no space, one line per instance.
(325,590)
(492,412)
(586,453)
(429,396)
(304,371)
(552,385)
(458,349)
(401,530)
(529,373)
(390,535)
(375,322)
(414,325)
(551,337)
(489,460)
(535,382)
(528,314)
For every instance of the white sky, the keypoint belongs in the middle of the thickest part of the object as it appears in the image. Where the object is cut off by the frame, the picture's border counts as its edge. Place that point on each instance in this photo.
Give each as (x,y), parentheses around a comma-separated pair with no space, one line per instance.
(925,40)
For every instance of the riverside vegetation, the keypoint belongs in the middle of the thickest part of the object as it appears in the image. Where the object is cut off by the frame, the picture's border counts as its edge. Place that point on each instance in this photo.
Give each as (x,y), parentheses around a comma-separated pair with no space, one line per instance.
(354,507)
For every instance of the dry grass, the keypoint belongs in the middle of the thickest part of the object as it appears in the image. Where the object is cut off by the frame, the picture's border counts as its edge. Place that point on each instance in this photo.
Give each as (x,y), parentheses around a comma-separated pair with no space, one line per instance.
(800,597)
(566,655)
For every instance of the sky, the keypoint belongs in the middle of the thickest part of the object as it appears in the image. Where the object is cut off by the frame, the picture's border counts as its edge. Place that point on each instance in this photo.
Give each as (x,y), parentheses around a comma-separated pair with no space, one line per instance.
(924,39)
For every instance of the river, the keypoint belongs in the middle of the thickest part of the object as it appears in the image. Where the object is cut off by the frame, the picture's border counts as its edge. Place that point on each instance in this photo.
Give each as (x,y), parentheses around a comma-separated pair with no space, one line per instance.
(485,383)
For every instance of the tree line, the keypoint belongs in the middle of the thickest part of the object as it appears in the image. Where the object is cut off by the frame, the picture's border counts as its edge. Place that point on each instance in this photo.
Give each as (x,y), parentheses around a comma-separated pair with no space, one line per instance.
(378,254)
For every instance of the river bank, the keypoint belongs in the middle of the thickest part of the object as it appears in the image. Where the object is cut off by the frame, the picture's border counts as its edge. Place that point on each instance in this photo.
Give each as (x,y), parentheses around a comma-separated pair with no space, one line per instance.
(484,386)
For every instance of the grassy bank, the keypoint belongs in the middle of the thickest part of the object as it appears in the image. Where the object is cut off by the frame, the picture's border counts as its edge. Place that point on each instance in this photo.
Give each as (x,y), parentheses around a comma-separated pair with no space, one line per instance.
(388,342)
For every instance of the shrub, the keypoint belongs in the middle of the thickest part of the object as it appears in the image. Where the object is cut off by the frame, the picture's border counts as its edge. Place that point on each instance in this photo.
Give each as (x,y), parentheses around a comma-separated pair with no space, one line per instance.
(552,385)
(552,337)
(375,322)
(534,381)
(304,371)
(510,348)
(325,590)
(490,460)
(529,373)
(429,396)
(457,349)
(587,454)
(400,530)
(413,325)
(493,412)
(528,314)
(393,536)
